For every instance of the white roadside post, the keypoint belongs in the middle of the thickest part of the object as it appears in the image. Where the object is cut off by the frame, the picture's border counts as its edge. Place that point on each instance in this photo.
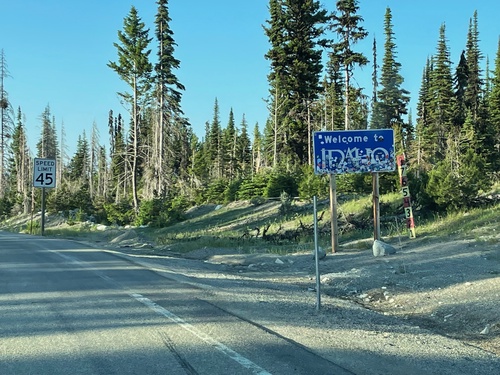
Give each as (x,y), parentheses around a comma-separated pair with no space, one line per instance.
(44,176)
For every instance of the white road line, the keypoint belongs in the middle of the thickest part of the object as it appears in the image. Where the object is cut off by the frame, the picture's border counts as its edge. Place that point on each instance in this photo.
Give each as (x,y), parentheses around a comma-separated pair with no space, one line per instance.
(243,361)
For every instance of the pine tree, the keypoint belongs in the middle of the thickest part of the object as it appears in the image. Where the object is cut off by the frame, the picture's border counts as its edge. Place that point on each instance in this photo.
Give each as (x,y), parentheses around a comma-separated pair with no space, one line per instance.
(134,68)
(215,147)
(460,85)
(47,146)
(375,120)
(494,111)
(392,99)
(244,150)
(20,164)
(473,90)
(295,31)
(79,165)
(277,77)
(118,156)
(169,134)
(229,135)
(333,86)
(346,23)
(441,102)
(423,150)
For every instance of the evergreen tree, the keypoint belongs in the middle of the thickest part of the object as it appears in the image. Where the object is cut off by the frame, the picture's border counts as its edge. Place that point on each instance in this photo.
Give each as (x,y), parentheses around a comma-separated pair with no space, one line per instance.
(79,165)
(295,33)
(375,120)
(215,147)
(169,134)
(229,135)
(118,156)
(392,99)
(202,162)
(47,146)
(244,150)
(346,23)
(421,153)
(333,86)
(134,68)
(473,89)
(441,101)
(20,165)
(460,86)
(494,112)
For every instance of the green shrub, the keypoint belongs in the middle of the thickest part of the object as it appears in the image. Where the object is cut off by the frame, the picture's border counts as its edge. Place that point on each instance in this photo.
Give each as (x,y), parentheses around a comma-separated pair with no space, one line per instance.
(161,212)
(257,201)
(216,191)
(120,213)
(312,184)
(286,203)
(280,182)
(456,185)
(231,191)
(253,187)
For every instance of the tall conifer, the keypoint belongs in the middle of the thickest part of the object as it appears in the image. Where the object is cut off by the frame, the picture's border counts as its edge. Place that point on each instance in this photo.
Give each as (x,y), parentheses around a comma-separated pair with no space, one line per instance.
(347,24)
(134,68)
(392,98)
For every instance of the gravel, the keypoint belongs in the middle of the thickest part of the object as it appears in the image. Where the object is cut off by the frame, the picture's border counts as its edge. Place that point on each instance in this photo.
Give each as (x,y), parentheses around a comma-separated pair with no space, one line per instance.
(431,308)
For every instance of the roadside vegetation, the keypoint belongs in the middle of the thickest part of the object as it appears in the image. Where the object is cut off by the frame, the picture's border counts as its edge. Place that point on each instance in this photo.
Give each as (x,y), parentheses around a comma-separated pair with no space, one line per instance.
(275,225)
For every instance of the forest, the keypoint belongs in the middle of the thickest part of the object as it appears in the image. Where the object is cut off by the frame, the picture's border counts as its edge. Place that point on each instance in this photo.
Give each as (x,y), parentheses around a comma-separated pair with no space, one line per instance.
(154,166)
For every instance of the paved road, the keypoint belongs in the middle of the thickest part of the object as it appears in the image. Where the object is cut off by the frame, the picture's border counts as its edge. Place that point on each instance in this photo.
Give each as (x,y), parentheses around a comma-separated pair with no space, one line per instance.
(69,309)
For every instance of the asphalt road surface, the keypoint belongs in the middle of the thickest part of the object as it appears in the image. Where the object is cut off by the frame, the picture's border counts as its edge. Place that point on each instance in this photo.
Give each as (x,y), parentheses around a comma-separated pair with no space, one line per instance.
(69,309)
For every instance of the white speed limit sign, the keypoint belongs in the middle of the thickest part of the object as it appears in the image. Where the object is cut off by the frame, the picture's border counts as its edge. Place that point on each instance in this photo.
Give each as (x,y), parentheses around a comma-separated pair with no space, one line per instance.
(44,173)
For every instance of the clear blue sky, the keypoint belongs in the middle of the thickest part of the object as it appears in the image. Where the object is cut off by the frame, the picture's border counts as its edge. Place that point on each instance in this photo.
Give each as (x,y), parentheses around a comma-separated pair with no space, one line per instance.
(57,51)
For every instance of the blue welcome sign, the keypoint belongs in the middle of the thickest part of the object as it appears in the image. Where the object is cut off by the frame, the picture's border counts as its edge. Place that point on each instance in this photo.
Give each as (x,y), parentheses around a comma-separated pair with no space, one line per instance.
(354,151)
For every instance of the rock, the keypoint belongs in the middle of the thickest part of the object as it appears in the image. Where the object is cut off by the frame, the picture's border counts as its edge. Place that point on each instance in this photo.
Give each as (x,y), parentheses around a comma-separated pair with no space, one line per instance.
(486,330)
(101,227)
(279,261)
(321,253)
(381,249)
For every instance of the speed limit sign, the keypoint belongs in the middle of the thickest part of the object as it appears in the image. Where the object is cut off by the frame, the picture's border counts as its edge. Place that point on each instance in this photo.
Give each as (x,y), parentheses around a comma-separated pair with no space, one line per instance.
(44,173)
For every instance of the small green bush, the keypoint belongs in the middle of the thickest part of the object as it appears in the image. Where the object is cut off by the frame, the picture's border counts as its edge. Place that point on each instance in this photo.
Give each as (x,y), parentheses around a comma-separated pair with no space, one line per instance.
(120,213)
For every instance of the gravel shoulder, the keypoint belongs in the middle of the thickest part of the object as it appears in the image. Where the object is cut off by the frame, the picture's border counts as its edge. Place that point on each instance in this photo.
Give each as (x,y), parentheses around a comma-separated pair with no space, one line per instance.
(433,307)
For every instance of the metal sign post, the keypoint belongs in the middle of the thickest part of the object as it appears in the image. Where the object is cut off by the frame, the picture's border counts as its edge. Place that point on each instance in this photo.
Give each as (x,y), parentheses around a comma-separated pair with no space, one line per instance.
(316,255)
(44,176)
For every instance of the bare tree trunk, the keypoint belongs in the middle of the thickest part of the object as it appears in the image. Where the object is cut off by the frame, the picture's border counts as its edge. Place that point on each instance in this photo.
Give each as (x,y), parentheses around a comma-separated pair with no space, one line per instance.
(309,135)
(275,145)
(347,82)
(135,146)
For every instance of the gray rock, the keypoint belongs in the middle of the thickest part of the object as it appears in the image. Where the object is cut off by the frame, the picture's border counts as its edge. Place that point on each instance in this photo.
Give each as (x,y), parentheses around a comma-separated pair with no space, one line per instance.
(381,249)
(321,253)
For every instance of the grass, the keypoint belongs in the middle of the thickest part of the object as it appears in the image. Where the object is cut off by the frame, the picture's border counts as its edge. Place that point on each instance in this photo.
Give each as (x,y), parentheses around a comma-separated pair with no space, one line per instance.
(235,226)
(478,223)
